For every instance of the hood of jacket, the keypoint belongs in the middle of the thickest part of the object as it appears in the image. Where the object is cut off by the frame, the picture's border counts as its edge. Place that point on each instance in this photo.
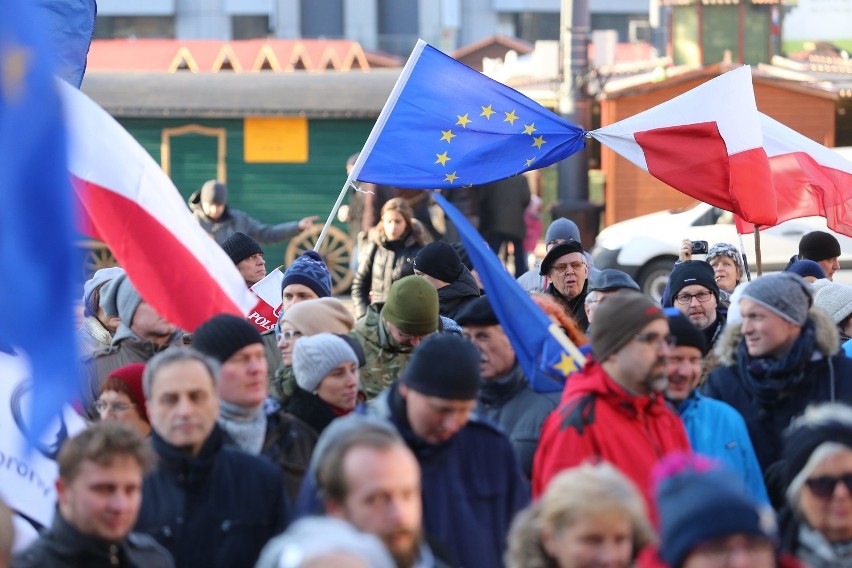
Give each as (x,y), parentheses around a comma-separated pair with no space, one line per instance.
(194,202)
(827,338)
(464,286)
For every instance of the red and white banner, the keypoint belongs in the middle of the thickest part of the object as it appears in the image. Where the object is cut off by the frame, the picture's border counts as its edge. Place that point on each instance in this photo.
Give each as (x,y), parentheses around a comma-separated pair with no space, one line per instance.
(265,313)
(706,143)
(128,202)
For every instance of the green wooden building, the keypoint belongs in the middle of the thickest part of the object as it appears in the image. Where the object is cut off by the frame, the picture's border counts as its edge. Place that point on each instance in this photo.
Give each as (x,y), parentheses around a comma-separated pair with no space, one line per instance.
(279,140)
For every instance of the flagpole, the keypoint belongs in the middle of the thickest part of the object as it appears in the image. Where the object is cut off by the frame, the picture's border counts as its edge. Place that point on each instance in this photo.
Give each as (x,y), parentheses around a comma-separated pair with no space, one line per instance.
(757,250)
(331,215)
(745,259)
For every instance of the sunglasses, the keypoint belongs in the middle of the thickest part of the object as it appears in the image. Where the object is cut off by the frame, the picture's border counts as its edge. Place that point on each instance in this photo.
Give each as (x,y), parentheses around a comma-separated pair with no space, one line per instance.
(823,487)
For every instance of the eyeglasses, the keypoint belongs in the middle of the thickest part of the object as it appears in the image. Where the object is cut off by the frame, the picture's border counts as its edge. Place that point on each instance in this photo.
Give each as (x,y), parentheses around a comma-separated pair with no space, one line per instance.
(287,334)
(686,299)
(823,487)
(562,267)
(118,407)
(654,338)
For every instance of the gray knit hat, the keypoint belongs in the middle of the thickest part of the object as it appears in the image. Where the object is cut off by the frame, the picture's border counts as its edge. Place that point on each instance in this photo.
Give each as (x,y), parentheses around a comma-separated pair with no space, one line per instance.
(98,279)
(784,294)
(120,298)
(836,300)
(562,229)
(315,356)
(214,192)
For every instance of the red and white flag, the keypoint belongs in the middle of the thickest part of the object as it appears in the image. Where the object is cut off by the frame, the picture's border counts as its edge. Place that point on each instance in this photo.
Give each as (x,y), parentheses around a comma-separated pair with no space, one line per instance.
(128,202)
(265,313)
(706,143)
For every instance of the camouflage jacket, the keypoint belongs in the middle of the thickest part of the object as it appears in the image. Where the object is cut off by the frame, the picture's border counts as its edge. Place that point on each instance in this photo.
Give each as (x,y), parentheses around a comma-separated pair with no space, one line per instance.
(385,358)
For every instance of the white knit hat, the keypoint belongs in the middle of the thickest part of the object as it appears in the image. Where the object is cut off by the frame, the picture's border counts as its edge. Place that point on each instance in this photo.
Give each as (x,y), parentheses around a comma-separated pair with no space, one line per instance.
(836,300)
(315,356)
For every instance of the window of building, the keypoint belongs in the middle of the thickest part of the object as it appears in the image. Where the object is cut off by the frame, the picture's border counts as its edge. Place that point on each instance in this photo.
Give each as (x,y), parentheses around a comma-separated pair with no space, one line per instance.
(250,27)
(398,25)
(322,18)
(122,27)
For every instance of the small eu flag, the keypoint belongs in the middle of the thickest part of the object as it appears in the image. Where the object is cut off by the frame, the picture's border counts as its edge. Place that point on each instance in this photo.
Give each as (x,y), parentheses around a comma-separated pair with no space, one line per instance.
(446,125)
(544,352)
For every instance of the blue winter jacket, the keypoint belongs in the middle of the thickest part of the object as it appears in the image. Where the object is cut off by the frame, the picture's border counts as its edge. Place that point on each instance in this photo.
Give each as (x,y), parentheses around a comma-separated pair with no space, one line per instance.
(718,431)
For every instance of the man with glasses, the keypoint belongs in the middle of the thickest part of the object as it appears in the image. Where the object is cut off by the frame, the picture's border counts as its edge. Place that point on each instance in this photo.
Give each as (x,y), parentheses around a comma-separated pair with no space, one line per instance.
(695,294)
(613,410)
(568,271)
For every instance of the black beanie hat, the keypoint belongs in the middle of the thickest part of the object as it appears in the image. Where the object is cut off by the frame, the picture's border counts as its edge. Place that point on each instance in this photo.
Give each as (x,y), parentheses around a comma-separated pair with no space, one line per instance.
(240,246)
(685,332)
(444,366)
(223,335)
(477,312)
(463,256)
(692,272)
(439,260)
(818,245)
(559,250)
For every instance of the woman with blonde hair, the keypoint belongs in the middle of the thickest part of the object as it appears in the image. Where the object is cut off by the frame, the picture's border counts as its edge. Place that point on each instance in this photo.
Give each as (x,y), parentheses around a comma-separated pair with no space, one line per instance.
(389,255)
(590,515)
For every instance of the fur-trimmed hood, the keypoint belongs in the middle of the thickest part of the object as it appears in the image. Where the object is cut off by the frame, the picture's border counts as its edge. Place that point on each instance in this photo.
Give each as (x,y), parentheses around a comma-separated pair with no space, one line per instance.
(827,338)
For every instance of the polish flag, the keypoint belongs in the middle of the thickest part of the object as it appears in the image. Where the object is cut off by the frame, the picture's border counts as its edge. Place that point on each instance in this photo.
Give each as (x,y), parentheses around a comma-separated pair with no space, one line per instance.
(706,143)
(809,179)
(128,202)
(265,313)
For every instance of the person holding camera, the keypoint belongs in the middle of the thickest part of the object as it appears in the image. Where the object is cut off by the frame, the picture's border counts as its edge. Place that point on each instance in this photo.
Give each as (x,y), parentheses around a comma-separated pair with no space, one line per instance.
(727,264)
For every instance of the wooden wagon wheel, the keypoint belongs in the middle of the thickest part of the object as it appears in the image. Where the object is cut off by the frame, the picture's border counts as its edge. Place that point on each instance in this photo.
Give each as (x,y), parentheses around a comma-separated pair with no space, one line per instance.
(96,255)
(336,250)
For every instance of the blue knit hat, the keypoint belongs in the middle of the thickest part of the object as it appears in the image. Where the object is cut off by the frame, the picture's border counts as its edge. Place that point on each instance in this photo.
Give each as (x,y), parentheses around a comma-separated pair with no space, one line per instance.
(807,268)
(696,506)
(309,270)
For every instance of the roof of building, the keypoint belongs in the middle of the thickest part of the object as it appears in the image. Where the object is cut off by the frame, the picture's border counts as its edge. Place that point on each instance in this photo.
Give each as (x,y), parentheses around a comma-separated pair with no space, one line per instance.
(240,56)
(183,95)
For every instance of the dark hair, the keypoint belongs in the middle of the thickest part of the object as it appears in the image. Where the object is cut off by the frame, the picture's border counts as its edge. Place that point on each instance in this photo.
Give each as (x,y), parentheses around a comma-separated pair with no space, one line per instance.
(177,355)
(93,305)
(101,443)
(331,477)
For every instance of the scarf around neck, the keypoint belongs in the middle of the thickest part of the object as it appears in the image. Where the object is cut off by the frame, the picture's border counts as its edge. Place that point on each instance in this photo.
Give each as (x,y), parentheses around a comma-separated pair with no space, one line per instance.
(246,426)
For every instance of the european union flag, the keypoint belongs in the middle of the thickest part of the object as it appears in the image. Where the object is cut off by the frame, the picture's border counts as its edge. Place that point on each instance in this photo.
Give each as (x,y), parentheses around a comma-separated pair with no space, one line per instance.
(37,259)
(70,25)
(543,351)
(446,125)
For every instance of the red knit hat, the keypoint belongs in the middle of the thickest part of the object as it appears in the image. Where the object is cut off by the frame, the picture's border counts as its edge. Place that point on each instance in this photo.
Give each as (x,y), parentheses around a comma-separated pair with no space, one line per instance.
(131,377)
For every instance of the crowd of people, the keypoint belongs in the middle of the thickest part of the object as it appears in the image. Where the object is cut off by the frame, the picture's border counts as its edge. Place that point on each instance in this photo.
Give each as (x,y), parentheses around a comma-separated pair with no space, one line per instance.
(707,428)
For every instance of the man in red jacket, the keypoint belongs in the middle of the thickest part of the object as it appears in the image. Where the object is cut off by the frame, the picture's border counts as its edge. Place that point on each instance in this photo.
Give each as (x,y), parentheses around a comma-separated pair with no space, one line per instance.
(614,410)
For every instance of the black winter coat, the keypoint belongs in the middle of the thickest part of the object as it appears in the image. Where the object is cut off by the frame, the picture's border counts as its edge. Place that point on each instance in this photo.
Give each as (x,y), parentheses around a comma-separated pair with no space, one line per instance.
(452,298)
(214,510)
(384,262)
(63,546)
(310,409)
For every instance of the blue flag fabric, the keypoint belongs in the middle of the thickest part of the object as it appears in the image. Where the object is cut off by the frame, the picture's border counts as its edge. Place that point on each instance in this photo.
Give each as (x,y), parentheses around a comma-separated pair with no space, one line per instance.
(446,125)
(70,25)
(546,362)
(40,270)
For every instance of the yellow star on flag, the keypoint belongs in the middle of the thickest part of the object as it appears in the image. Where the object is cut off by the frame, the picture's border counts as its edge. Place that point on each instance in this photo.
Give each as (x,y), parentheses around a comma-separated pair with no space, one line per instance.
(539,142)
(451,177)
(566,365)
(442,159)
(14,69)
(487,112)
(529,128)
(463,121)
(530,161)
(511,117)
(447,135)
